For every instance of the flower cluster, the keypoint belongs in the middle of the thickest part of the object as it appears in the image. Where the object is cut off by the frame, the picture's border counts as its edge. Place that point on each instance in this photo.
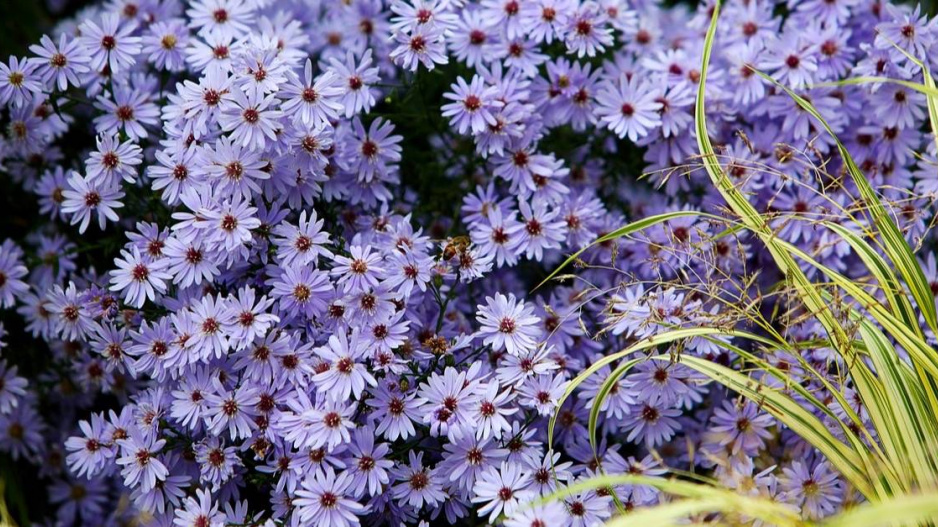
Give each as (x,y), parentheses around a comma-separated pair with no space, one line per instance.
(284,274)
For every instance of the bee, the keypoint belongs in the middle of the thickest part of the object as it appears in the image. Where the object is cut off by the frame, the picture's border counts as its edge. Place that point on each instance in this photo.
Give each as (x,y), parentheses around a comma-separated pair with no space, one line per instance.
(455,246)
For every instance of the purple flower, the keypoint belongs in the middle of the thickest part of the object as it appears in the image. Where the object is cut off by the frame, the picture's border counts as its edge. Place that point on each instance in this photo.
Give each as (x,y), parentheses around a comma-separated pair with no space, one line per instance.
(232,410)
(416,485)
(502,491)
(323,499)
(508,324)
(346,375)
(138,279)
(60,65)
(473,105)
(86,196)
(628,107)
(138,456)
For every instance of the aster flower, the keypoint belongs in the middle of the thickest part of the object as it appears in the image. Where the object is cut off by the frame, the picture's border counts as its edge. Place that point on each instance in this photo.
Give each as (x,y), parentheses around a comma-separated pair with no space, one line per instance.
(446,401)
(12,272)
(163,44)
(502,490)
(303,243)
(652,423)
(86,196)
(216,461)
(60,65)
(221,17)
(198,511)
(911,31)
(360,270)
(424,45)
(508,324)
(585,30)
(417,485)
(138,279)
(375,153)
(346,374)
(19,82)
(231,410)
(356,81)
(129,110)
(138,456)
(628,107)
(369,467)
(252,119)
(110,43)
(323,499)
(817,490)
(791,60)
(301,290)
(310,100)
(473,105)
(114,159)
(394,412)
(742,427)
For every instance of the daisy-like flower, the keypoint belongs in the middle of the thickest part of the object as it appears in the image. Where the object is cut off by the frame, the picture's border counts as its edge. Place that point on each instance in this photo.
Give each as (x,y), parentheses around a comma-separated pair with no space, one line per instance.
(374,153)
(652,423)
(424,45)
(310,100)
(139,458)
(586,30)
(473,105)
(231,224)
(89,452)
(910,30)
(394,412)
(60,65)
(225,18)
(791,60)
(163,44)
(368,466)
(356,81)
(12,272)
(302,290)
(232,410)
(252,119)
(502,490)
(189,262)
(110,43)
(303,243)
(129,111)
(742,427)
(508,324)
(236,168)
(199,511)
(19,81)
(359,271)
(817,490)
(542,393)
(212,318)
(324,499)
(587,508)
(628,107)
(446,401)
(73,320)
(114,159)
(86,197)
(346,374)
(491,409)
(252,319)
(216,461)
(139,279)
(416,484)
(12,387)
